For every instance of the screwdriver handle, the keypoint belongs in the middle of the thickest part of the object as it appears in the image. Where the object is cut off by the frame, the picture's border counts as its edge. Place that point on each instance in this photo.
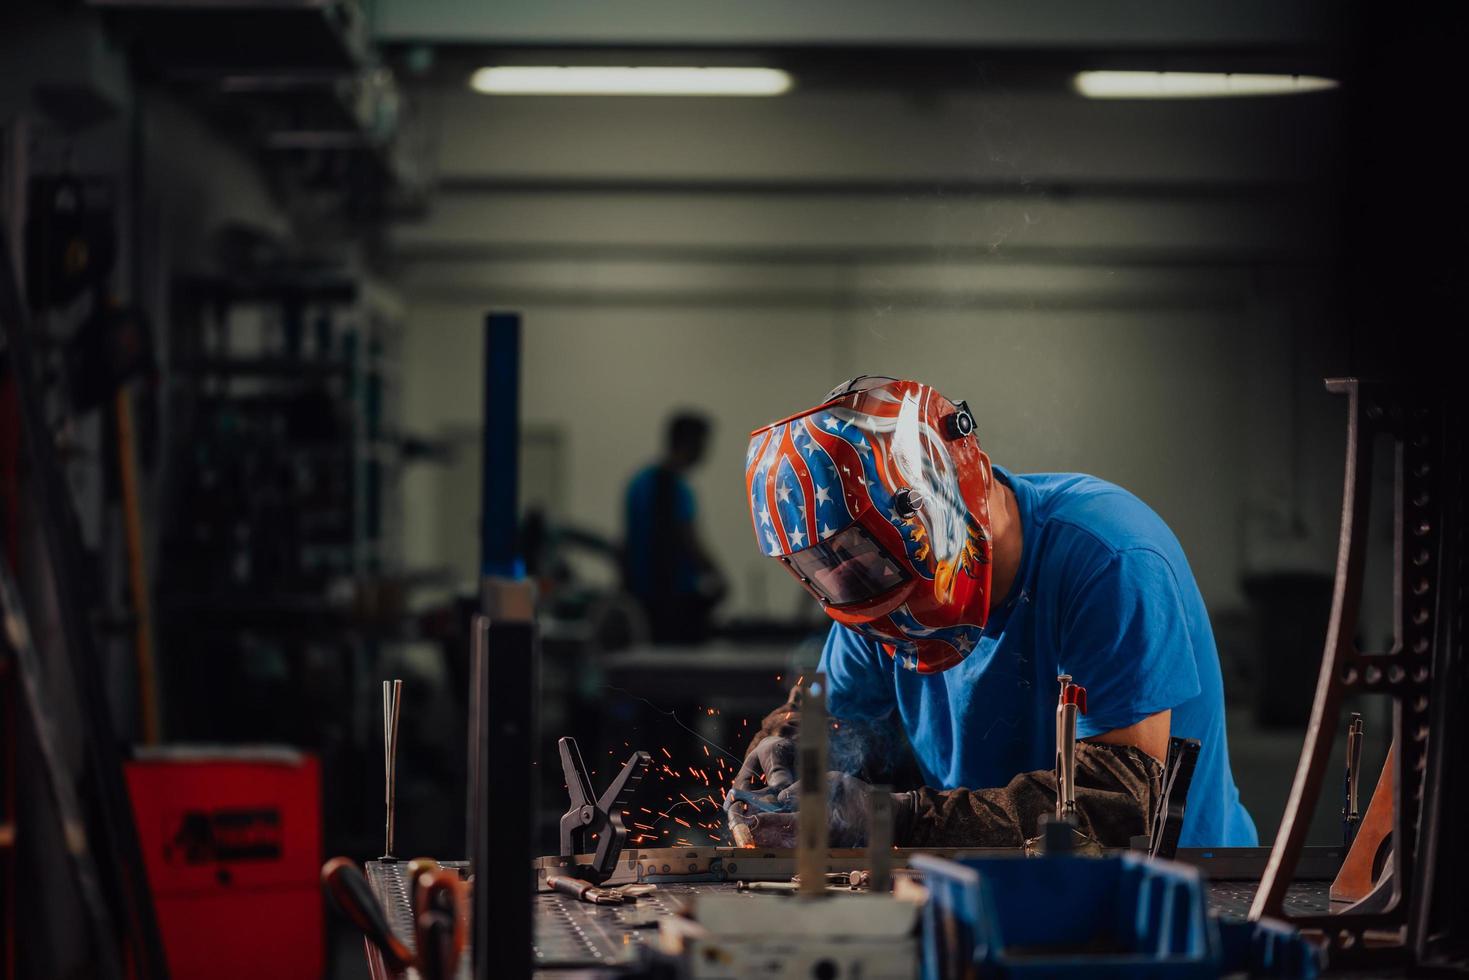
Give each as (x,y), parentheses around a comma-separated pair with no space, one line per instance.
(440,896)
(347,886)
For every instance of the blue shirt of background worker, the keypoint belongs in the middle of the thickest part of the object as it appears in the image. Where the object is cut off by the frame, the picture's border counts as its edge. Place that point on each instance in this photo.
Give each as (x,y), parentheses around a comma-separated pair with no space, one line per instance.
(1103,592)
(666,568)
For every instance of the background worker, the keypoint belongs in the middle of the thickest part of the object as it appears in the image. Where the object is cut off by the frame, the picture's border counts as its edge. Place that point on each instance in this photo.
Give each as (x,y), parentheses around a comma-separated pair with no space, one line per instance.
(960,591)
(666,567)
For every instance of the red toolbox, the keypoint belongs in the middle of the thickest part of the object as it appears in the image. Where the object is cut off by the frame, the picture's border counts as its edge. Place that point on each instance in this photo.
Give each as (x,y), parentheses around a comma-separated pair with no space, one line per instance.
(231,838)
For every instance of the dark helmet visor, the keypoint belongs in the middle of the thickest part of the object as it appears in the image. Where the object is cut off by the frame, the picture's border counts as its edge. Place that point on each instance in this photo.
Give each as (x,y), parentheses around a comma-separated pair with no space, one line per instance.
(848,568)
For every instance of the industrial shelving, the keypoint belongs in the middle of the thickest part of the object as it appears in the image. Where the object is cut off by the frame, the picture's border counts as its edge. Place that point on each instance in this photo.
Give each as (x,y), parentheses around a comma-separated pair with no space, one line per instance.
(277,598)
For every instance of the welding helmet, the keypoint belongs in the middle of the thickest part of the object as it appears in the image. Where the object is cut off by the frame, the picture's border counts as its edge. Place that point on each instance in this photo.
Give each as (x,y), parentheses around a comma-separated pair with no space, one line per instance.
(877,501)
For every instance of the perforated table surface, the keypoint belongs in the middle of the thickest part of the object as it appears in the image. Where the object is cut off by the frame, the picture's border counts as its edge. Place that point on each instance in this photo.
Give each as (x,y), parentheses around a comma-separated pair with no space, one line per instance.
(591,939)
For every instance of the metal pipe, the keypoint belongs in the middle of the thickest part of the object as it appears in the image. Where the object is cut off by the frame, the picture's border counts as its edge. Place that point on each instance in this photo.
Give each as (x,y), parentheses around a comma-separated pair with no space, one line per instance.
(880,838)
(812,821)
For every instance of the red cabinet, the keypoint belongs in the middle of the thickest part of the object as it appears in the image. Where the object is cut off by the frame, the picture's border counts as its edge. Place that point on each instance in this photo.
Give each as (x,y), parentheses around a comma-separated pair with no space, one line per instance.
(232,842)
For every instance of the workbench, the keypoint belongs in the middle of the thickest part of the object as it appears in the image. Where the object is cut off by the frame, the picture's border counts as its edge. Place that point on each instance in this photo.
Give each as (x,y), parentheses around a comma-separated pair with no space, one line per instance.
(573,938)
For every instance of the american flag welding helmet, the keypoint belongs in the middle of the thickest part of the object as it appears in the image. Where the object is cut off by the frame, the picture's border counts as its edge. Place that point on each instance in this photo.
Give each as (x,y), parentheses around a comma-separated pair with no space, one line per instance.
(877,501)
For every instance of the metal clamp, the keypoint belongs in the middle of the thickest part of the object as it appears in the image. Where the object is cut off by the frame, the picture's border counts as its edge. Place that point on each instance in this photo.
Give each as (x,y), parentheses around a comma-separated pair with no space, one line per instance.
(596,818)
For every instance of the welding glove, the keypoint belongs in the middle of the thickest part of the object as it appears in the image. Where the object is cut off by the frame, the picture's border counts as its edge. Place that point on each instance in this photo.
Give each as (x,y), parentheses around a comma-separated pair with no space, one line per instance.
(1117,787)
(769,768)
(770,762)
(848,812)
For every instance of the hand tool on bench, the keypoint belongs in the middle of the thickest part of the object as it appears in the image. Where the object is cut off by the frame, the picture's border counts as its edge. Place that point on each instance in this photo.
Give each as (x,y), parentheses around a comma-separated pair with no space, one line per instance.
(583,890)
(1060,832)
(441,921)
(592,818)
(349,890)
(1072,700)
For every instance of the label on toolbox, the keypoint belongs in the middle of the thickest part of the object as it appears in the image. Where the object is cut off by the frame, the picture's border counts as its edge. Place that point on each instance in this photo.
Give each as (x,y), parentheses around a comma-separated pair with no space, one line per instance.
(229,834)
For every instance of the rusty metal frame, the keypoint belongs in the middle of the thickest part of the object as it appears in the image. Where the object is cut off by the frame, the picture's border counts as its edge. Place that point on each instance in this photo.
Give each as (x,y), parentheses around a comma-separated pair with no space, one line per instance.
(1377,930)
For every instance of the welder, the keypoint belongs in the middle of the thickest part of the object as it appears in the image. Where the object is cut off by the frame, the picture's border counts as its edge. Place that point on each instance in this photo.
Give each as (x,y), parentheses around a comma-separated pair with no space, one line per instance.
(960,591)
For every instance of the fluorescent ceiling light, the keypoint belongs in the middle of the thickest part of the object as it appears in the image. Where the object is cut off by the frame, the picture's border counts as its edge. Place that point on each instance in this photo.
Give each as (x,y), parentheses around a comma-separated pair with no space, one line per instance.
(1192,84)
(592,80)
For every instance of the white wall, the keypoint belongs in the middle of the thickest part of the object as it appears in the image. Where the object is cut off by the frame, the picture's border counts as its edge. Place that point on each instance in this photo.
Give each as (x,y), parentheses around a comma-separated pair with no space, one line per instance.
(1152,400)
(1131,290)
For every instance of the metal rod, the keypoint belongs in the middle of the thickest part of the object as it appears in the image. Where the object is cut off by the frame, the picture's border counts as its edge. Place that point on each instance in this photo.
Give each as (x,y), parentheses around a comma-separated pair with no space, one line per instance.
(880,838)
(812,820)
(392,702)
(479,647)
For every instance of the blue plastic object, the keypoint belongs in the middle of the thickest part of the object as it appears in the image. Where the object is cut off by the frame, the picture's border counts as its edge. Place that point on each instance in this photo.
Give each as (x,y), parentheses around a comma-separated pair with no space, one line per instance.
(1070,916)
(1266,949)
(499,514)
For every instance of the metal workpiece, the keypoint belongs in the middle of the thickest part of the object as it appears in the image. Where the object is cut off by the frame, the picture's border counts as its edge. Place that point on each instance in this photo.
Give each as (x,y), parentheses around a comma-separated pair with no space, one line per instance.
(741,833)
(392,703)
(811,837)
(1351,814)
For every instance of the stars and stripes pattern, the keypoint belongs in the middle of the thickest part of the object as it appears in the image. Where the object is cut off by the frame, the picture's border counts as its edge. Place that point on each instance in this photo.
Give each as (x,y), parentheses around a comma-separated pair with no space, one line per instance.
(812,476)
(809,479)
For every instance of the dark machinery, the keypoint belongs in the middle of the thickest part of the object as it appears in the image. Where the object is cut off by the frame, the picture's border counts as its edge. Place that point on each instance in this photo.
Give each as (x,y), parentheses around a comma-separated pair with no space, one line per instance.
(1415,914)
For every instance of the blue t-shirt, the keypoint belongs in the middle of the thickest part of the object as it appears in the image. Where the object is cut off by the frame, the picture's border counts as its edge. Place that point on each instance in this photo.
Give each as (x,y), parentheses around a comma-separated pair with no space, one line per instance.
(1103,593)
(652,544)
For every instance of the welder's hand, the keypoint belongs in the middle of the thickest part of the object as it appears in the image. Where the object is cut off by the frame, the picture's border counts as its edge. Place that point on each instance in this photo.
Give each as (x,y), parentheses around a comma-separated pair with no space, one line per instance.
(769,768)
(848,812)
